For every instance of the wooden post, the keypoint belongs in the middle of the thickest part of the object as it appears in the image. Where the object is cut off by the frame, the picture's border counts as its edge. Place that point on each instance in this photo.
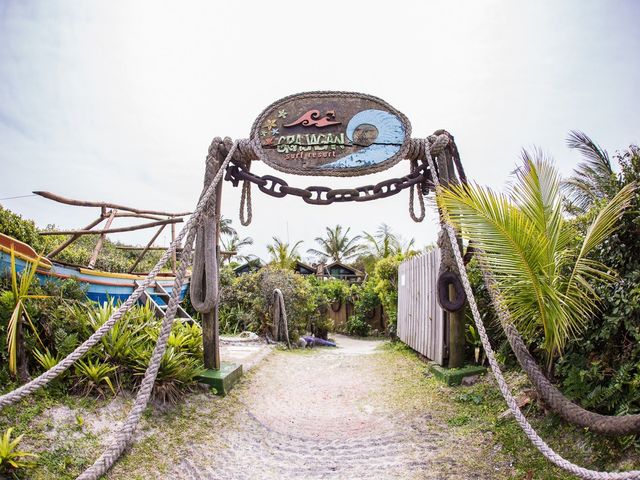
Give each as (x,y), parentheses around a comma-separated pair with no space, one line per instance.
(73,238)
(100,242)
(147,247)
(456,334)
(210,321)
(174,260)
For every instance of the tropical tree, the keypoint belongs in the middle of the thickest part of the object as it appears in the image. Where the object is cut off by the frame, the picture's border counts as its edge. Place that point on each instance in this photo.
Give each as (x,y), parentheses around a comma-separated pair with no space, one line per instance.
(594,179)
(383,243)
(233,243)
(282,254)
(225,226)
(541,265)
(336,245)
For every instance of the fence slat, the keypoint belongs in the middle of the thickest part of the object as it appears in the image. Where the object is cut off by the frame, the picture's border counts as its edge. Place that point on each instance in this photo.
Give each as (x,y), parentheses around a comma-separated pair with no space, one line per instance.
(420,318)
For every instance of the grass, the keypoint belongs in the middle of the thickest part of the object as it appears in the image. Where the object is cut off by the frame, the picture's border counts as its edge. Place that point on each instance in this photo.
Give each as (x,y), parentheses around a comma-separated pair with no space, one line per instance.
(474,412)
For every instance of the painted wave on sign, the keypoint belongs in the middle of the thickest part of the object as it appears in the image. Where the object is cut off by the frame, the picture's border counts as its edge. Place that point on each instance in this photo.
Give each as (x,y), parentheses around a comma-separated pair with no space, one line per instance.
(386,145)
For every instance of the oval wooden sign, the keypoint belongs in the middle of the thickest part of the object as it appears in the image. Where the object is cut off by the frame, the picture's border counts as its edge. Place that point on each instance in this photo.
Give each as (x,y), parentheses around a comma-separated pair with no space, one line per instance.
(331,133)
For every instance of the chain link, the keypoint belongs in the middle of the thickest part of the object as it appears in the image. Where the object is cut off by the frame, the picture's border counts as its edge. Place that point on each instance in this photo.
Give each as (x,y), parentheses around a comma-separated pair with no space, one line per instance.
(319,195)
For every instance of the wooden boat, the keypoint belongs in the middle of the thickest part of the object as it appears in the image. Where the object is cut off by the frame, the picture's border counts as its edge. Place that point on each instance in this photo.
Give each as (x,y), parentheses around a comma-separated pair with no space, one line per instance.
(99,286)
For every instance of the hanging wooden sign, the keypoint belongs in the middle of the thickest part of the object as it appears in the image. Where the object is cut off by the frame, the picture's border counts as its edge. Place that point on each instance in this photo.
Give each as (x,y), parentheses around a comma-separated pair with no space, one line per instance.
(331,133)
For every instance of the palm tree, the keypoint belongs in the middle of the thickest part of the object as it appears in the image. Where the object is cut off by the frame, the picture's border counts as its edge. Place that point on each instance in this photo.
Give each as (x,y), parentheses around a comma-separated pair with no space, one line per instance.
(233,243)
(383,243)
(225,226)
(593,180)
(336,245)
(282,254)
(541,266)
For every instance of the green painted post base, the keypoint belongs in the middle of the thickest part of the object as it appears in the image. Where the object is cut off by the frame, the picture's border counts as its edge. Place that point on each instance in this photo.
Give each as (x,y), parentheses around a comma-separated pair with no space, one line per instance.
(454,376)
(222,380)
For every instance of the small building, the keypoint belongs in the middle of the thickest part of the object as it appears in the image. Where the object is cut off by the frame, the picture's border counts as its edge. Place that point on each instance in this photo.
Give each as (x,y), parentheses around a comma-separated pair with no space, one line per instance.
(341,271)
(250,267)
(304,269)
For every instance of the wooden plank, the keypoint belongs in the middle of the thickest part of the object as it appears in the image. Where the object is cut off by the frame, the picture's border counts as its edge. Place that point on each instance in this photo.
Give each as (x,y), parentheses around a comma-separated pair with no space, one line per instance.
(100,242)
(113,230)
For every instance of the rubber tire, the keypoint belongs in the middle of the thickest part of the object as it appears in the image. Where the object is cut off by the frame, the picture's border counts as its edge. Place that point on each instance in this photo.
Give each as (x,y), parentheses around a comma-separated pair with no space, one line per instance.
(444,280)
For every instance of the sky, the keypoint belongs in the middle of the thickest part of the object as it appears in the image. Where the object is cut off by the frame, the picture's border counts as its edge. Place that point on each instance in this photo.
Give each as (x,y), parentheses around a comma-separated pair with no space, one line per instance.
(118,101)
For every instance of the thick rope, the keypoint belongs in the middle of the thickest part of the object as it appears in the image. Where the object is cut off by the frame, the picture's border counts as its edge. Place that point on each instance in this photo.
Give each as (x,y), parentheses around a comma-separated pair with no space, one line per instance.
(280,322)
(533,436)
(111,454)
(413,191)
(246,212)
(204,276)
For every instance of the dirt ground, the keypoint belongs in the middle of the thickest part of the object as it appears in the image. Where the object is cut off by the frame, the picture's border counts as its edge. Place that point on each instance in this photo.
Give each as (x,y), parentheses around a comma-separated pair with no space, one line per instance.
(328,413)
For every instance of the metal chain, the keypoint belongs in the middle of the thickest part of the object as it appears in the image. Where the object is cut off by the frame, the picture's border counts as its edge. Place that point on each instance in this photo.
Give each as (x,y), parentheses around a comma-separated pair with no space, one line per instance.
(319,195)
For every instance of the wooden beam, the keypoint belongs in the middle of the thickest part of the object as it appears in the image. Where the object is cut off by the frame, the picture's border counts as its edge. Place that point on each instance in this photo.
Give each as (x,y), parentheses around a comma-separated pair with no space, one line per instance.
(151,249)
(100,242)
(113,230)
(73,238)
(82,203)
(146,249)
(174,256)
(140,215)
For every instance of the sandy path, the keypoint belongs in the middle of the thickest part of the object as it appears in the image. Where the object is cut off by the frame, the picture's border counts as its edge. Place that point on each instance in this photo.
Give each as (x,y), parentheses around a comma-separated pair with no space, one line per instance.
(323,414)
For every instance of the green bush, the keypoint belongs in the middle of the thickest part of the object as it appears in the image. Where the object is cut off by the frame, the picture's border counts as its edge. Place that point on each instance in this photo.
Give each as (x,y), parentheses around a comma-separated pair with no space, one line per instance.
(601,367)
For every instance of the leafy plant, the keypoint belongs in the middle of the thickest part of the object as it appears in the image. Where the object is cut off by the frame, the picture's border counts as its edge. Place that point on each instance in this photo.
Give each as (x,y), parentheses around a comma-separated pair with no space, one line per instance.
(94,376)
(544,272)
(175,374)
(46,359)
(12,459)
(282,254)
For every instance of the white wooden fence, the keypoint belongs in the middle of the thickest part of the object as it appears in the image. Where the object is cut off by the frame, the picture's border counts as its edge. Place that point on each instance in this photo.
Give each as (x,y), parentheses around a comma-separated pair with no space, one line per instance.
(421,321)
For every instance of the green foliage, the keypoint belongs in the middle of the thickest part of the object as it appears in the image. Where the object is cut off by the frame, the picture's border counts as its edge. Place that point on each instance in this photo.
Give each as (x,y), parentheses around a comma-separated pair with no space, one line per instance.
(93,376)
(385,276)
(12,459)
(247,301)
(601,367)
(365,300)
(24,230)
(545,275)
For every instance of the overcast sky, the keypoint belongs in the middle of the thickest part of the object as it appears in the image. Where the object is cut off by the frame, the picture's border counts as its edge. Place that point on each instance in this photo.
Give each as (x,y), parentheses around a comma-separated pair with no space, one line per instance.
(119,100)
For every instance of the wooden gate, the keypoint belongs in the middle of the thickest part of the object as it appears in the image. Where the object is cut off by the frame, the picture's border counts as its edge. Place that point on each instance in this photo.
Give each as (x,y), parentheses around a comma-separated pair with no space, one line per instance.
(421,321)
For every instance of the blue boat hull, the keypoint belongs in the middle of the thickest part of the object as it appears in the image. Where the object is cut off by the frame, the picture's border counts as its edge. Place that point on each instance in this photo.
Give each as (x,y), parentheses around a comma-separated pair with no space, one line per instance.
(99,286)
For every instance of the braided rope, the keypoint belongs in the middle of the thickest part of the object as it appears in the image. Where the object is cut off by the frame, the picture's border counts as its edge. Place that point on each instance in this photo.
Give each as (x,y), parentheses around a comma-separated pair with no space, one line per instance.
(113,452)
(533,436)
(413,190)
(246,212)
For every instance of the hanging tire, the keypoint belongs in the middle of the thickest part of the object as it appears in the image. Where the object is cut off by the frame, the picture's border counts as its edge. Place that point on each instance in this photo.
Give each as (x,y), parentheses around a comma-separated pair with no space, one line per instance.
(444,280)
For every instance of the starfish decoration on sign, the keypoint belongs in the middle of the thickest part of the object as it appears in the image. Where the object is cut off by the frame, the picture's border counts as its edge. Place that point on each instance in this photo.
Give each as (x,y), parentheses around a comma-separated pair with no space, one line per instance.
(270,124)
(275,131)
(268,141)
(264,133)
(282,113)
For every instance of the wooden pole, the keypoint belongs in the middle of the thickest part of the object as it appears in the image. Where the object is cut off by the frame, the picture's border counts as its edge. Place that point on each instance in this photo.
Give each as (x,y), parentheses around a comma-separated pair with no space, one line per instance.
(210,321)
(142,226)
(146,249)
(174,258)
(73,238)
(100,242)
(456,334)
(82,203)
